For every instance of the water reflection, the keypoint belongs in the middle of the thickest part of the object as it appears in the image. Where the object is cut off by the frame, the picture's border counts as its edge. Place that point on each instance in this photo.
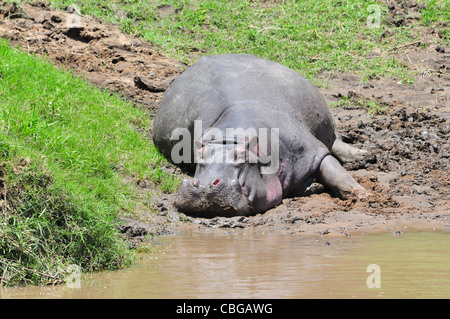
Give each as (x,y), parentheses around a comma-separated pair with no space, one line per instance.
(243,264)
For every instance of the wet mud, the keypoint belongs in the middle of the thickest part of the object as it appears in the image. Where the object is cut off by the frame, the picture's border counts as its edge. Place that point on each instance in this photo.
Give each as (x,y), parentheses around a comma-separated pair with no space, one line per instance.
(407,138)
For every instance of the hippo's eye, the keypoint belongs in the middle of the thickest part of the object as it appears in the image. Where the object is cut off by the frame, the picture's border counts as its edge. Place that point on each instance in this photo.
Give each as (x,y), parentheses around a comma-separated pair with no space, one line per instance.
(239,155)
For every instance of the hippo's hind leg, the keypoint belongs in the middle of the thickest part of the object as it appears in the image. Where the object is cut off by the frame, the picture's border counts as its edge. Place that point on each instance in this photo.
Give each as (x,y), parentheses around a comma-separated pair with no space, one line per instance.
(334,176)
(345,152)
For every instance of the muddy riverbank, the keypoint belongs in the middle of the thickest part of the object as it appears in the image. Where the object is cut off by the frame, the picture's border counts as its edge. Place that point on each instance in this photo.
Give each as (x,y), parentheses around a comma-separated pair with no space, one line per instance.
(407,140)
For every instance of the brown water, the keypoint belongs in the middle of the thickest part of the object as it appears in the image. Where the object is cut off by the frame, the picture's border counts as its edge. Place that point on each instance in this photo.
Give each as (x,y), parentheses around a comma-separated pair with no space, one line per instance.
(242,264)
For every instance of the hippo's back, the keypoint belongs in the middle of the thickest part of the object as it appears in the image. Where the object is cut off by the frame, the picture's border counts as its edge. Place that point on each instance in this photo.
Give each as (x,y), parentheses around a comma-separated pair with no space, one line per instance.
(215,83)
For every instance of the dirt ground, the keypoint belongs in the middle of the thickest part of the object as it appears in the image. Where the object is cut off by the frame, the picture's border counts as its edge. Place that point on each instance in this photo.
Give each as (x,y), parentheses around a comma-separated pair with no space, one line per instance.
(407,166)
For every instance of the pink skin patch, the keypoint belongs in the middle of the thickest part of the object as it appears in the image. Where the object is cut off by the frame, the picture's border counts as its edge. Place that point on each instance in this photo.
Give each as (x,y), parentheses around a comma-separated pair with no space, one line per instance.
(274,190)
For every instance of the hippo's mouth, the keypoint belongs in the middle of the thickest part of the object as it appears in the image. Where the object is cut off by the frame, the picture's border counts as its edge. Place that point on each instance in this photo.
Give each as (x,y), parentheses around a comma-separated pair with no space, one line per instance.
(218,198)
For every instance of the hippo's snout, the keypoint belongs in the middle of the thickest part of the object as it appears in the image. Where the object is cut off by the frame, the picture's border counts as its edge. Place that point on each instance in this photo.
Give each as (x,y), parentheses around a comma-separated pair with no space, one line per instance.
(218,197)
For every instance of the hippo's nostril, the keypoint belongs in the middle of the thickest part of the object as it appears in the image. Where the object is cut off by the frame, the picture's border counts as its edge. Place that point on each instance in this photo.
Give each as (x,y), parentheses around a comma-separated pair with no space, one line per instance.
(217,181)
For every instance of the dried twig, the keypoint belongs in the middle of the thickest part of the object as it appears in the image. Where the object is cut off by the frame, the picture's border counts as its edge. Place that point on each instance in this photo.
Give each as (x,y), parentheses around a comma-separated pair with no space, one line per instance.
(405,45)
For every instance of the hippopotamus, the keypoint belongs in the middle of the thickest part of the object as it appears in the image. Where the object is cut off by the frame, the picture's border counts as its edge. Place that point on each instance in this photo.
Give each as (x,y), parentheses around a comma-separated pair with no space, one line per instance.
(284,137)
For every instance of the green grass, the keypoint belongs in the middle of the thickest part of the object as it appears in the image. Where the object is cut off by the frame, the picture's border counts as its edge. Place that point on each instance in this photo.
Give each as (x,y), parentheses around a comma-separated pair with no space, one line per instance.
(436,12)
(309,36)
(372,106)
(69,158)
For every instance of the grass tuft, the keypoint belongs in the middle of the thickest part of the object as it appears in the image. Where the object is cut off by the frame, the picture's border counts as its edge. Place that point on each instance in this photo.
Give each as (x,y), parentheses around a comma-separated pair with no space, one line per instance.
(70,156)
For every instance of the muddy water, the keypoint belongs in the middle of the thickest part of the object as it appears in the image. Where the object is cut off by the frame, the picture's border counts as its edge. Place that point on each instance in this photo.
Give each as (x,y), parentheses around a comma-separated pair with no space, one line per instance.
(242,264)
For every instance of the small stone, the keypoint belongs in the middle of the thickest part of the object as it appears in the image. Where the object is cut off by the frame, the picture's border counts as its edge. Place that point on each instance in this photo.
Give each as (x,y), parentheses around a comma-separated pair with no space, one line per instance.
(374,204)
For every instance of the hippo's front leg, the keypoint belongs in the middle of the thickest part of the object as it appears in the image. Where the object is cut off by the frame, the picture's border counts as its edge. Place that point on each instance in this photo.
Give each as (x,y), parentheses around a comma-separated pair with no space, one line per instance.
(333,175)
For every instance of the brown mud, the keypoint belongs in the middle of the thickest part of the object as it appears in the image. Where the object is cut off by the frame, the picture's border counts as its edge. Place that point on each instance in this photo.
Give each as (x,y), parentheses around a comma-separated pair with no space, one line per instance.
(407,165)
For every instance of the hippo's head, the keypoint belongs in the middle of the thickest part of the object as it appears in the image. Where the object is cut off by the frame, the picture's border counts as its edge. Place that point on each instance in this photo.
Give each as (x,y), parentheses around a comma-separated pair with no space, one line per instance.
(227,182)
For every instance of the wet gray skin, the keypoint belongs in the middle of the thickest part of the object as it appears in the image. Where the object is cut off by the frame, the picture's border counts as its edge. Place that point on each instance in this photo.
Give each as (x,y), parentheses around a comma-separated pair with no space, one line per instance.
(247,92)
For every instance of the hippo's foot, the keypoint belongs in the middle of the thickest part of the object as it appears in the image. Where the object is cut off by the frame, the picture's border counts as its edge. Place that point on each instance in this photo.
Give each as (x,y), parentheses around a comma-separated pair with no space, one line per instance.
(346,153)
(334,176)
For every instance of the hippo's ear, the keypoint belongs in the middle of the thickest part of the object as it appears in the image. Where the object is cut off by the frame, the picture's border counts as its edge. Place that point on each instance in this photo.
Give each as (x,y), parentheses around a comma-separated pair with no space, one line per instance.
(198,151)
(240,154)
(258,150)
(197,146)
